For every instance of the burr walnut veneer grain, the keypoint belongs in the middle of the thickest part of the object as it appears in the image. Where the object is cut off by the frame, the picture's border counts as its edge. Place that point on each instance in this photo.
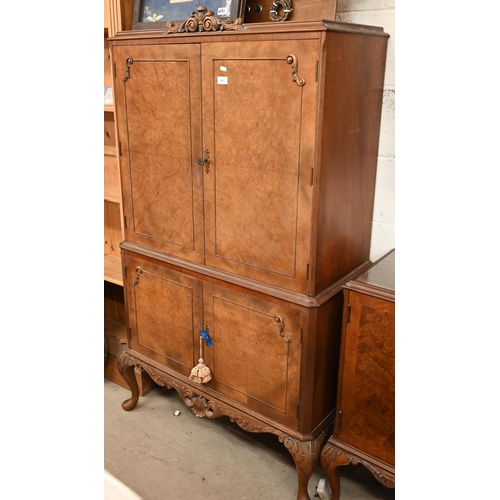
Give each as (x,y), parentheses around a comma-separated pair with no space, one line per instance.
(364,431)
(248,163)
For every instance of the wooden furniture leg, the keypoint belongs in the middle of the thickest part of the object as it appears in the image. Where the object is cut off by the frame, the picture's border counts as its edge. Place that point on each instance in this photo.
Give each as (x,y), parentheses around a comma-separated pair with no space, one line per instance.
(126,368)
(305,455)
(334,455)
(331,458)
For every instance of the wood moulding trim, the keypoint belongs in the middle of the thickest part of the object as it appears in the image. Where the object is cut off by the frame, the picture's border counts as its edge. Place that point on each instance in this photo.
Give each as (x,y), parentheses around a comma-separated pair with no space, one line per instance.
(259,28)
(357,29)
(337,453)
(205,402)
(202,270)
(368,289)
(305,449)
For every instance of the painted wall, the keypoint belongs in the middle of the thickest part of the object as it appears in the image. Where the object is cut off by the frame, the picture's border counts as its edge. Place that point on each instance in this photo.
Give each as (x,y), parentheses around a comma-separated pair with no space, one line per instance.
(380,13)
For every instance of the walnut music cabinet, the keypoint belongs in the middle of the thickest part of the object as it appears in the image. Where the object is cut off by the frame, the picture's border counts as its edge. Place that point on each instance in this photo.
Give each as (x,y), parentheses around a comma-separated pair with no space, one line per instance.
(248,161)
(364,431)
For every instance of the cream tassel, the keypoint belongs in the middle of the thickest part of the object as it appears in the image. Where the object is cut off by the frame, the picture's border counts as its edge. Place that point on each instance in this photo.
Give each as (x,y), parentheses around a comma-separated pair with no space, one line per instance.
(201,372)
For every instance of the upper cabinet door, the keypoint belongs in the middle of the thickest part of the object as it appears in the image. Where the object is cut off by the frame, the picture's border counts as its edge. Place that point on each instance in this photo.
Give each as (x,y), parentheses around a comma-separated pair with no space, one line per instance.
(259,120)
(158,102)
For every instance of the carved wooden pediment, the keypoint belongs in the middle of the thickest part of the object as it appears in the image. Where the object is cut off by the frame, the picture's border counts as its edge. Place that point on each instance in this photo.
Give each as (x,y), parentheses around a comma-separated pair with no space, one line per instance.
(204,20)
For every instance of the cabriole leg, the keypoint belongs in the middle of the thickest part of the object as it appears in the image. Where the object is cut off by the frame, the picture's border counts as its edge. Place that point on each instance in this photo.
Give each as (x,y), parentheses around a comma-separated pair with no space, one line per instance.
(125,366)
(331,458)
(305,456)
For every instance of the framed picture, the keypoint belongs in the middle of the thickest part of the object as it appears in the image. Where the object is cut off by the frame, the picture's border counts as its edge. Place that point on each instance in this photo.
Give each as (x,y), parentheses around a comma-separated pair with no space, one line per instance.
(157,14)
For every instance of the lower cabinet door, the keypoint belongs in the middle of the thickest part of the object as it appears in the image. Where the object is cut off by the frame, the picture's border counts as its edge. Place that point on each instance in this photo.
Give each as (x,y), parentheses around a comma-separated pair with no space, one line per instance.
(255,352)
(165,314)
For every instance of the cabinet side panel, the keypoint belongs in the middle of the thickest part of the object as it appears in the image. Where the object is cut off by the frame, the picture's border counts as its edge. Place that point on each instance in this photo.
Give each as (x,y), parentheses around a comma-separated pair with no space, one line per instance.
(326,367)
(368,384)
(350,135)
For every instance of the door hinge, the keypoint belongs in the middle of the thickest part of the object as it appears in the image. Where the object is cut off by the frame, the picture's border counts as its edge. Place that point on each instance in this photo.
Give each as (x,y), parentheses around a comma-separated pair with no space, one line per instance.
(307,272)
(340,418)
(301,333)
(298,409)
(114,69)
(348,313)
(312,176)
(125,221)
(125,273)
(119,148)
(317,70)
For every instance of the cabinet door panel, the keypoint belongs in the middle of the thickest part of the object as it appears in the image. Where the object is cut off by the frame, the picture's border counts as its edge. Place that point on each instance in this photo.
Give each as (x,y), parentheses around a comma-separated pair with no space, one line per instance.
(159,115)
(259,128)
(164,314)
(250,360)
(367,390)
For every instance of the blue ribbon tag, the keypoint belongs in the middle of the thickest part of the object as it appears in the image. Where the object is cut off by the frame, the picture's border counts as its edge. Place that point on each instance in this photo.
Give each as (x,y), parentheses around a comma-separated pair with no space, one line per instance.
(206,336)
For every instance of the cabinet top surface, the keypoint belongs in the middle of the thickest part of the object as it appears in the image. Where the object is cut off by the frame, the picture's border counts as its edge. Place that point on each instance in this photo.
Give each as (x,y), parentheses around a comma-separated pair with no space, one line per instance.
(257,28)
(380,275)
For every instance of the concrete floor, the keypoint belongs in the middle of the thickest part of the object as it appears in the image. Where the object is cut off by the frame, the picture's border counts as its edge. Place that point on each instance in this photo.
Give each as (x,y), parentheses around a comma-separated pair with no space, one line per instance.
(165,457)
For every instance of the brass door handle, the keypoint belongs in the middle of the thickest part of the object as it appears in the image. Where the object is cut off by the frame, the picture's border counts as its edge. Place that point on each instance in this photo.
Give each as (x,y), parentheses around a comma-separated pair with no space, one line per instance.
(128,63)
(138,273)
(281,325)
(291,59)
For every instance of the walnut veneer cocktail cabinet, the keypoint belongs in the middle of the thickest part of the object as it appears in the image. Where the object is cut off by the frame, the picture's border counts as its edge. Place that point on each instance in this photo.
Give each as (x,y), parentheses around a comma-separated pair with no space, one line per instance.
(248,162)
(364,431)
